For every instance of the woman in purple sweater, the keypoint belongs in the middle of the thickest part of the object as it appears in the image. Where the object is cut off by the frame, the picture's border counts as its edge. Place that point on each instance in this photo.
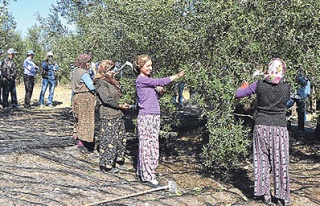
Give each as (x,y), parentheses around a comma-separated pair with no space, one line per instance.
(148,125)
(270,135)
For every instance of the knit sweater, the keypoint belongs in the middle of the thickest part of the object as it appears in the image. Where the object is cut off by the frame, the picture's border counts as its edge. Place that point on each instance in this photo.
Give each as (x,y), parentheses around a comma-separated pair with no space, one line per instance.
(148,99)
(109,98)
(272,100)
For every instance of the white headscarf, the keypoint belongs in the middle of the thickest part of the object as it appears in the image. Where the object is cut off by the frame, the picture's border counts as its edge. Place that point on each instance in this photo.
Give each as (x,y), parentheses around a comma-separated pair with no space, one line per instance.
(276,71)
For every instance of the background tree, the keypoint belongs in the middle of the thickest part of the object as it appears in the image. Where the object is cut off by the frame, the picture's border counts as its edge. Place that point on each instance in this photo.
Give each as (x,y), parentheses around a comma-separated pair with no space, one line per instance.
(219,43)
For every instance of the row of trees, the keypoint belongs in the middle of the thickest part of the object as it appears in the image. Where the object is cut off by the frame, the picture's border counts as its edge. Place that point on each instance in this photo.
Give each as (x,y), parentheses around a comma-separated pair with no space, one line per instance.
(10,38)
(219,43)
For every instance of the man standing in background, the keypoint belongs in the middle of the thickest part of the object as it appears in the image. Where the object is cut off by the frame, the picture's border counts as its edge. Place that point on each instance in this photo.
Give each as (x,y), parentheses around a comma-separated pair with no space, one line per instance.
(30,71)
(303,92)
(9,75)
(49,76)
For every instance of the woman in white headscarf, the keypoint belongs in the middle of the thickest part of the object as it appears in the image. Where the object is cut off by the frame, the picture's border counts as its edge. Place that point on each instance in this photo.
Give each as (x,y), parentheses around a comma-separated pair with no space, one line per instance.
(270,135)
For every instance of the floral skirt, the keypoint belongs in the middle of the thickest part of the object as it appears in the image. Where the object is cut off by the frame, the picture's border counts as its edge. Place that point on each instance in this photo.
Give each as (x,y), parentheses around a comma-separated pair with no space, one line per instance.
(83,106)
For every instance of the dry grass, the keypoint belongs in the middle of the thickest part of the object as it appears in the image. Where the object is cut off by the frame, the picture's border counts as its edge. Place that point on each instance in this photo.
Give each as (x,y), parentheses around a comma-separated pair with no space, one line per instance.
(64,176)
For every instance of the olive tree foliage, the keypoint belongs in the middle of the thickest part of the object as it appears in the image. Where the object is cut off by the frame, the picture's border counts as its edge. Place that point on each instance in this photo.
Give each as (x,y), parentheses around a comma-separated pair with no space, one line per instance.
(218,43)
(7,25)
(9,38)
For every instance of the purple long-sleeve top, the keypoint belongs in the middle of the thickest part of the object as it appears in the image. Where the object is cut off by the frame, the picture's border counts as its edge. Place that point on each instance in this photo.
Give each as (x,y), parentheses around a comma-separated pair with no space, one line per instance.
(148,99)
(245,92)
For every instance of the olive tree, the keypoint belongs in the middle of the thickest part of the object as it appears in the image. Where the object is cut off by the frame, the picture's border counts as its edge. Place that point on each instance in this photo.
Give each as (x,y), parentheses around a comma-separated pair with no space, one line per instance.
(218,43)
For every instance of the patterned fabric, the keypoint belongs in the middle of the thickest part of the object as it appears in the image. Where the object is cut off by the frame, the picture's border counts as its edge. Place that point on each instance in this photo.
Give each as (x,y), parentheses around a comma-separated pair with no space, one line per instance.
(82,60)
(105,65)
(276,71)
(148,132)
(271,154)
(112,141)
(83,105)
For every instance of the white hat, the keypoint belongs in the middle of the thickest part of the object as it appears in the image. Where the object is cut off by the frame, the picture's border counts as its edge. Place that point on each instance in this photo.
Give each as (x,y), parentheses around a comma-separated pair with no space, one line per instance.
(30,52)
(11,51)
(49,53)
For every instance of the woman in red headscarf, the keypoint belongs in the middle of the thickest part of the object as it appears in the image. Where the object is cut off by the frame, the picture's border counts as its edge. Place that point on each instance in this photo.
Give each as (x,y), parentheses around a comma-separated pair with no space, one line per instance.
(83,103)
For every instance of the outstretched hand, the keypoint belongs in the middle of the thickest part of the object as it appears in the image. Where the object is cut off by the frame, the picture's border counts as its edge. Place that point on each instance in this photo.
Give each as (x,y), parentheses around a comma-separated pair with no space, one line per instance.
(182,73)
(244,85)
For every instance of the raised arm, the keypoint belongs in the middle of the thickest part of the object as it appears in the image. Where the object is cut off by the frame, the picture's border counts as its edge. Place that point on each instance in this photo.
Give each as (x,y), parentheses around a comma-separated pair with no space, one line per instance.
(246,91)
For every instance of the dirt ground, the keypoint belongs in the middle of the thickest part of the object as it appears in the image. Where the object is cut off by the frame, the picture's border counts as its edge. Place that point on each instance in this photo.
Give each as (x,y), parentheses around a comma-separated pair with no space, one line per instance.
(65,176)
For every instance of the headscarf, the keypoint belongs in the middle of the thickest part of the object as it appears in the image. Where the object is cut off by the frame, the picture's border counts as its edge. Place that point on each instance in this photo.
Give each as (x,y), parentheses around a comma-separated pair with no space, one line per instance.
(104,67)
(82,60)
(276,70)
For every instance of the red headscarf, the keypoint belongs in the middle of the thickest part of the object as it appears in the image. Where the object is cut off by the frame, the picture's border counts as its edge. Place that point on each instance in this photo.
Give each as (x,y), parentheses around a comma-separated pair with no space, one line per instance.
(82,60)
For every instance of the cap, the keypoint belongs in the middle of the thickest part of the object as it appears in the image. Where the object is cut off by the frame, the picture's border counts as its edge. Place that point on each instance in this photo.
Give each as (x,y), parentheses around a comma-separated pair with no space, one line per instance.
(11,51)
(30,52)
(49,53)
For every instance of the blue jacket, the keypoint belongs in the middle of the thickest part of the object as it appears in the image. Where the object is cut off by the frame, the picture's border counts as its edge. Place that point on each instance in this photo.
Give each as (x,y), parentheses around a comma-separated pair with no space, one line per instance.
(49,70)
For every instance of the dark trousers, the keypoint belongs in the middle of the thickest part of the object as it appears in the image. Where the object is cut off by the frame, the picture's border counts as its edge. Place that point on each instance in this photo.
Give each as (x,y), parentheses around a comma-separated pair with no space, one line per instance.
(301,113)
(0,90)
(9,86)
(29,84)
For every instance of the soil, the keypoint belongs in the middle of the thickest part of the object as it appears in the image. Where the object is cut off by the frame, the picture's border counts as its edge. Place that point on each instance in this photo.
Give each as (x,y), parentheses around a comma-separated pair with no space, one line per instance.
(63,175)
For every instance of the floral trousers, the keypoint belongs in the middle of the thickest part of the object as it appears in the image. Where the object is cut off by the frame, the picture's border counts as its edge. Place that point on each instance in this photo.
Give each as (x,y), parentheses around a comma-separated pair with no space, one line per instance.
(148,132)
(112,141)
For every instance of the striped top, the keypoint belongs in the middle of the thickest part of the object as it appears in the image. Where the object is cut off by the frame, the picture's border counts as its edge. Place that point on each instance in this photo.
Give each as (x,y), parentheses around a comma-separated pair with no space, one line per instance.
(148,99)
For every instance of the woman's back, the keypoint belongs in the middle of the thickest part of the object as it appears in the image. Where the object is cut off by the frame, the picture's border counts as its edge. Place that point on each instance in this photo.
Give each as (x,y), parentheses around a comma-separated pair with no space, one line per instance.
(272,99)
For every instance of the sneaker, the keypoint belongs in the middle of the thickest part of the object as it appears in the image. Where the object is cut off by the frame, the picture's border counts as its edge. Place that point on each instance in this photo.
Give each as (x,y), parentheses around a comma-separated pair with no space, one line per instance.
(154,184)
(50,105)
(6,109)
(83,150)
(121,167)
(41,105)
(15,106)
(281,202)
(73,141)
(138,177)
(267,199)
(108,170)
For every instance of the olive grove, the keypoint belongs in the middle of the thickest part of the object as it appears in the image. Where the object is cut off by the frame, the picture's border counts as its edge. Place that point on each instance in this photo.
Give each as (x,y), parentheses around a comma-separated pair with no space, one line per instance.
(218,43)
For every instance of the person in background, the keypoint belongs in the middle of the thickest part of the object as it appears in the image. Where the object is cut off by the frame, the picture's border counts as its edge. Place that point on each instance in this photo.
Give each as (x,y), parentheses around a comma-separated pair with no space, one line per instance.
(303,92)
(112,130)
(1,52)
(180,87)
(270,135)
(30,70)
(83,104)
(49,76)
(9,75)
(148,124)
